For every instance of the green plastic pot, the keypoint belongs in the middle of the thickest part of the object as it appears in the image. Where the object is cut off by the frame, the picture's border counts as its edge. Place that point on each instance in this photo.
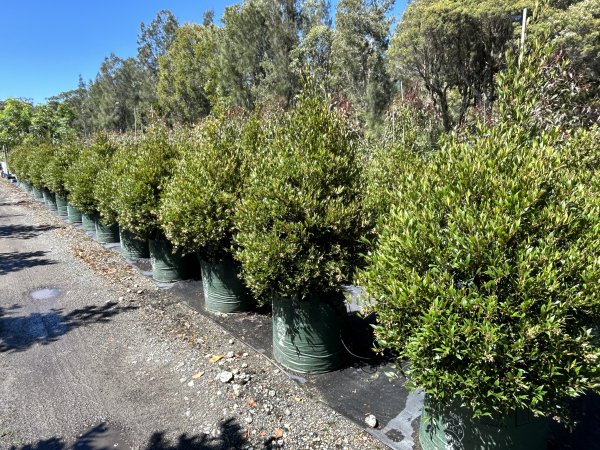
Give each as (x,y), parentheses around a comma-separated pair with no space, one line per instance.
(106,234)
(307,332)
(454,427)
(88,221)
(132,247)
(170,265)
(62,205)
(224,291)
(74,214)
(50,200)
(36,193)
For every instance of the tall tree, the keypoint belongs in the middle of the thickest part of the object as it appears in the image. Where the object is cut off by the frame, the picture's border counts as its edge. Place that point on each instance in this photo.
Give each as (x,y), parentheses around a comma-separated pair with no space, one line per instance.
(456,47)
(15,119)
(154,40)
(359,47)
(78,101)
(188,72)
(255,55)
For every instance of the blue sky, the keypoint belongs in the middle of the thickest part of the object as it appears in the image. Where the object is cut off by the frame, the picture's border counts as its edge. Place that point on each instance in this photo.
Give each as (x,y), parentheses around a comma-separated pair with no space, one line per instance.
(45,45)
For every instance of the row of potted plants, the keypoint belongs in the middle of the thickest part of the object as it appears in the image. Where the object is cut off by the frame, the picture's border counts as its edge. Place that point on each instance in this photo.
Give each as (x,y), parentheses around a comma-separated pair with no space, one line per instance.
(481,256)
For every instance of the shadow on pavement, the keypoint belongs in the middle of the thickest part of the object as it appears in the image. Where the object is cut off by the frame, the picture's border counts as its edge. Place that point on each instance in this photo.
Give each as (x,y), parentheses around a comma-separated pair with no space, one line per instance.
(21,332)
(103,437)
(22,231)
(15,261)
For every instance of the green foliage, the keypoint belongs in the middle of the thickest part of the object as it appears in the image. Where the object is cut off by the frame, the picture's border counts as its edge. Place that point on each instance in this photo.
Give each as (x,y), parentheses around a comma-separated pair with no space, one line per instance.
(144,168)
(486,269)
(199,203)
(15,119)
(40,156)
(456,48)
(19,161)
(59,165)
(408,137)
(52,122)
(81,177)
(188,72)
(360,42)
(301,217)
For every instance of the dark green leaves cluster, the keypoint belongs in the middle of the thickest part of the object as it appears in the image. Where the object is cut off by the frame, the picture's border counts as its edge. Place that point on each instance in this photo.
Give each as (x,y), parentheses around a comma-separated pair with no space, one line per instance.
(140,173)
(301,217)
(199,202)
(63,157)
(486,269)
(81,177)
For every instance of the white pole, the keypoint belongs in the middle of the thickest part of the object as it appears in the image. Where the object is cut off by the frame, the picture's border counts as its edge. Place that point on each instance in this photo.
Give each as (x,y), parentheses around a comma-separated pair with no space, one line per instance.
(523,30)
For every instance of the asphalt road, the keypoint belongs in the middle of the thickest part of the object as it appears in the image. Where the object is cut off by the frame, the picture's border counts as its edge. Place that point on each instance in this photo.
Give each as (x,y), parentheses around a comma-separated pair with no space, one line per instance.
(69,352)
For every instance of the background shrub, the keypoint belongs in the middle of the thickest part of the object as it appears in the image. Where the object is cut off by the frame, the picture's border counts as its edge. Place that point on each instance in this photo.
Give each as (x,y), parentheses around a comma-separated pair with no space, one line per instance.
(39,156)
(301,217)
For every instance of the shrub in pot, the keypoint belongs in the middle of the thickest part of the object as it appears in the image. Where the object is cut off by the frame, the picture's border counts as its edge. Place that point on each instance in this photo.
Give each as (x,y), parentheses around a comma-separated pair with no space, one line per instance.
(39,157)
(56,171)
(81,177)
(199,203)
(301,221)
(18,161)
(104,192)
(486,275)
(148,163)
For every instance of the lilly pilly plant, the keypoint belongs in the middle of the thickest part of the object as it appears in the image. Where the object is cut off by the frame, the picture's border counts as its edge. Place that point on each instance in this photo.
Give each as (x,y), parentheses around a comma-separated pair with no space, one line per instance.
(144,169)
(199,203)
(301,216)
(81,177)
(63,157)
(486,271)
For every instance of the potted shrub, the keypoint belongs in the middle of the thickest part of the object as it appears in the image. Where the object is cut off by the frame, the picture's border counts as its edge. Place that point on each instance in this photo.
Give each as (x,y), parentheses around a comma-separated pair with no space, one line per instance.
(150,161)
(18,163)
(81,177)
(486,273)
(56,171)
(199,203)
(105,190)
(300,222)
(39,157)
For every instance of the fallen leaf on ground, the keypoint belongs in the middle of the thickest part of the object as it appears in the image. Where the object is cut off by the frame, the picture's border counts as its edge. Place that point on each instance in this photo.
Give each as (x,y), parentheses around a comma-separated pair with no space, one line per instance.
(252,402)
(247,433)
(215,358)
(198,375)
(262,433)
(278,433)
(298,399)
(237,356)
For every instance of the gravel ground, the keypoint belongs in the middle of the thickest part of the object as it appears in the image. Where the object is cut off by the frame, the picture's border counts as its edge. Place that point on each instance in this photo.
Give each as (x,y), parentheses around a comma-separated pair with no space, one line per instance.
(228,397)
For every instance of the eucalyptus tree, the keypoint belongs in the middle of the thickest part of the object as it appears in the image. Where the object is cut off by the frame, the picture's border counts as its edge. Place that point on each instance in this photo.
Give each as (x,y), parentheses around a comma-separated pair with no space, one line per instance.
(15,119)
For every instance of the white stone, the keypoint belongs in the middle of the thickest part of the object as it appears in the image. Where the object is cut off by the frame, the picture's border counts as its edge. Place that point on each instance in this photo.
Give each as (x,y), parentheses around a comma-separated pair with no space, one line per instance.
(225,377)
(371,420)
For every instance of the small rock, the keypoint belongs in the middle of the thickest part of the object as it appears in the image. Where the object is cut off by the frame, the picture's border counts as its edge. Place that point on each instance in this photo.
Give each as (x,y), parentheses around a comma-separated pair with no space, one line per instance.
(225,377)
(244,365)
(244,355)
(120,299)
(191,383)
(287,412)
(139,292)
(231,341)
(276,371)
(371,421)
(271,393)
(229,355)
(188,412)
(235,371)
(128,290)
(181,380)
(248,419)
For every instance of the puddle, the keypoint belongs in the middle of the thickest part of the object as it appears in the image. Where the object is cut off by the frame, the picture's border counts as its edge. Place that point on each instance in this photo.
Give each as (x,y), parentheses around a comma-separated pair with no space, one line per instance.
(44,294)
